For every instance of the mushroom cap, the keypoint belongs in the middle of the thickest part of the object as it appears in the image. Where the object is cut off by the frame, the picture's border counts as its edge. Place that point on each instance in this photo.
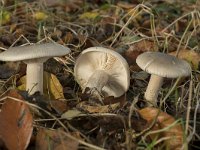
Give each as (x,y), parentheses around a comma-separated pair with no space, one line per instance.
(163,65)
(99,58)
(34,51)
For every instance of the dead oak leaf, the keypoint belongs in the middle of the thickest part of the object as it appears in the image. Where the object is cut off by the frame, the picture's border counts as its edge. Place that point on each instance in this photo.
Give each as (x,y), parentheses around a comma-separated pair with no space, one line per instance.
(16,123)
(164,120)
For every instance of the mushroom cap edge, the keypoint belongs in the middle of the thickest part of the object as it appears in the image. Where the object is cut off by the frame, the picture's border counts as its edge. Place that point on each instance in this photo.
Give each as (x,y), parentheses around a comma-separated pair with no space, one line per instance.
(33,51)
(163,65)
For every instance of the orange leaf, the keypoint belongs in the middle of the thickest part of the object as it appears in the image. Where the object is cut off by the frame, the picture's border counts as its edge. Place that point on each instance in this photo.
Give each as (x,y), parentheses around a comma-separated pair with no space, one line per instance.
(16,123)
(163,120)
(189,55)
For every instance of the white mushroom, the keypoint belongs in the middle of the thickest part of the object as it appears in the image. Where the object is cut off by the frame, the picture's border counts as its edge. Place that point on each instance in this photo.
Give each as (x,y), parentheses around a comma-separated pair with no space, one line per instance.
(102,70)
(34,56)
(160,65)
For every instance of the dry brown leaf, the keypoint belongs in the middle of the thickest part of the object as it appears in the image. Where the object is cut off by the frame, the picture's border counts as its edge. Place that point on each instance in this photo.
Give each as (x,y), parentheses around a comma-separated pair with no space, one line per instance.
(59,106)
(68,6)
(126,5)
(189,55)
(70,114)
(16,123)
(138,48)
(175,133)
(97,109)
(113,100)
(54,139)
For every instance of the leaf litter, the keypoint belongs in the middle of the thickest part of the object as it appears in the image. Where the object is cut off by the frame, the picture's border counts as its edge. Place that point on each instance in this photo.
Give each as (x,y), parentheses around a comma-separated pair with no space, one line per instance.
(16,122)
(64,117)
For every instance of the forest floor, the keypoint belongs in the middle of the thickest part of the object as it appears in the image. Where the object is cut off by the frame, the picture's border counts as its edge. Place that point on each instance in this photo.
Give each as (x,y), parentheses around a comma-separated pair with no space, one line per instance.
(64,117)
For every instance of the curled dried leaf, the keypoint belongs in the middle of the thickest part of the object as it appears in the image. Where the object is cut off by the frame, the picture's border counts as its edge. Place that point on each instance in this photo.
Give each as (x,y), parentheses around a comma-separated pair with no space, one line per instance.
(173,134)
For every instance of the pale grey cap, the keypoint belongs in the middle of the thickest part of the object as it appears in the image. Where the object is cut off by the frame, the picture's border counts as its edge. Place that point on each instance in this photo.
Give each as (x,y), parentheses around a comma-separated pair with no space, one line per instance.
(99,58)
(163,65)
(34,51)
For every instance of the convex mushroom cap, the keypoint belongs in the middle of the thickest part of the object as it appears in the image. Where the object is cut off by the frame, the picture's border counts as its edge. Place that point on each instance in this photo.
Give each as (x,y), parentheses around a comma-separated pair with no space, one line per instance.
(34,51)
(163,65)
(160,65)
(101,60)
(34,56)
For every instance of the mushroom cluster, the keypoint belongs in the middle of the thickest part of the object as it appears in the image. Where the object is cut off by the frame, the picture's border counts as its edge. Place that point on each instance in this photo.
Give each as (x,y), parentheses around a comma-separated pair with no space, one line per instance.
(160,65)
(103,71)
(34,56)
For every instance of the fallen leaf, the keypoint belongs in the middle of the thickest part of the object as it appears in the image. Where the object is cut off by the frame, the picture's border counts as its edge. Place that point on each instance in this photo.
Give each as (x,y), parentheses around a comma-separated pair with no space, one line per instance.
(70,114)
(67,6)
(54,139)
(97,109)
(89,15)
(125,5)
(113,100)
(163,120)
(189,55)
(5,17)
(52,87)
(16,123)
(40,16)
(59,106)
(137,48)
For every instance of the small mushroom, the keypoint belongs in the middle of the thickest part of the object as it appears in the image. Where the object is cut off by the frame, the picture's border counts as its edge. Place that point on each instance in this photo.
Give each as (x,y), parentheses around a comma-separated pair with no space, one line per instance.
(34,56)
(103,71)
(160,65)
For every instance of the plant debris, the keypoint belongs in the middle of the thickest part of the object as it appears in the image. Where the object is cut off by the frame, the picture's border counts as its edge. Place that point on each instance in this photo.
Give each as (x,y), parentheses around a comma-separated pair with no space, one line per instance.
(66,118)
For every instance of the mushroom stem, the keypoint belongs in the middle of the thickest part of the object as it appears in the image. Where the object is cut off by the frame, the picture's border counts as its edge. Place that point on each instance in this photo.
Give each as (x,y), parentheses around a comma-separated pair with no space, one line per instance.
(98,80)
(34,75)
(153,88)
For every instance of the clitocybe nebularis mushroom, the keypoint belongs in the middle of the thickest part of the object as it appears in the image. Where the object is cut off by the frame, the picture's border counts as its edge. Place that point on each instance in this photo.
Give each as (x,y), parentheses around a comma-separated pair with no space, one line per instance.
(102,70)
(34,56)
(160,65)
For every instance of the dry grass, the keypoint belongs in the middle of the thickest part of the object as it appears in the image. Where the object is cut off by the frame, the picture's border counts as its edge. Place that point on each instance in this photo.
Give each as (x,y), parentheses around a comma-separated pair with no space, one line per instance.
(118,28)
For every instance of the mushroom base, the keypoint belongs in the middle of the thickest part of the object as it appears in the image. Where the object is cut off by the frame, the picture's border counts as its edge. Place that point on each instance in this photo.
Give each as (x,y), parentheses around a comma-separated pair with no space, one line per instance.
(153,88)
